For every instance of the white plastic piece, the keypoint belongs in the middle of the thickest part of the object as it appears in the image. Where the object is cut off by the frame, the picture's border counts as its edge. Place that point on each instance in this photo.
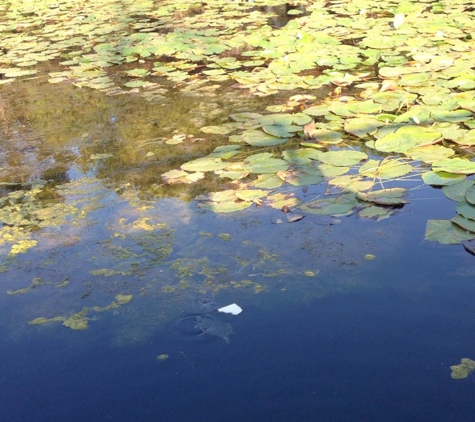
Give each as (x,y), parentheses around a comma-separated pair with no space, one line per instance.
(231,309)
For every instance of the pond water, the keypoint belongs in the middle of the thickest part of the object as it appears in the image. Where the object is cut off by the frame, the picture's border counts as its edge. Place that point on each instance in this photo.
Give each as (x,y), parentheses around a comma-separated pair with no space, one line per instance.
(112,313)
(162,160)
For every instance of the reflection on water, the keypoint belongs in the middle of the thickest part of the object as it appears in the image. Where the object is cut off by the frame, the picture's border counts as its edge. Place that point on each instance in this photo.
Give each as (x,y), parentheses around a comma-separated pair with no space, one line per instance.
(104,269)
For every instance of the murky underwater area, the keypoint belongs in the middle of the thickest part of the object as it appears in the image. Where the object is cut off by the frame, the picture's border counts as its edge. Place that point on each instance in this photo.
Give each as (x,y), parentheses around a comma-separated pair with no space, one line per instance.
(112,282)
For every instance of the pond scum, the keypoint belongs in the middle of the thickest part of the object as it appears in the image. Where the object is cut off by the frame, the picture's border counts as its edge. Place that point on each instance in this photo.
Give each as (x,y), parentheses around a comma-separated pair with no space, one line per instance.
(360,97)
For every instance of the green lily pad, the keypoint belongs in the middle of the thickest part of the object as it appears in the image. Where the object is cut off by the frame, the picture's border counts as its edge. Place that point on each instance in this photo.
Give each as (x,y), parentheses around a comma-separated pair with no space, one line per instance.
(466,210)
(225,207)
(339,205)
(456,191)
(264,163)
(361,126)
(267,181)
(385,169)
(466,139)
(417,114)
(464,223)
(470,195)
(430,153)
(452,116)
(407,137)
(441,178)
(260,138)
(251,194)
(179,176)
(376,213)
(446,232)
(351,183)
(281,131)
(392,197)
(454,165)
(342,157)
(300,177)
(204,164)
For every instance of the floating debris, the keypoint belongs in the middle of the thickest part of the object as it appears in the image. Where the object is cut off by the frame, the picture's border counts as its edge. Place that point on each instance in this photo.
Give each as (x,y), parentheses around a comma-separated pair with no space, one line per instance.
(231,309)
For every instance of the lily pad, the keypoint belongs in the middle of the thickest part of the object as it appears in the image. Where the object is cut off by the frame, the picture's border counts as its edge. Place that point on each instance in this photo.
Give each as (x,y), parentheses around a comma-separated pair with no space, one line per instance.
(259,138)
(391,197)
(342,157)
(385,169)
(204,164)
(454,165)
(339,205)
(407,137)
(456,191)
(441,178)
(446,232)
(361,126)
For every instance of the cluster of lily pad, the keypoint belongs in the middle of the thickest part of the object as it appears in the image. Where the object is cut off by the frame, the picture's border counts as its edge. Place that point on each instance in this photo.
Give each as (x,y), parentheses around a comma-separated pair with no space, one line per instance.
(400,77)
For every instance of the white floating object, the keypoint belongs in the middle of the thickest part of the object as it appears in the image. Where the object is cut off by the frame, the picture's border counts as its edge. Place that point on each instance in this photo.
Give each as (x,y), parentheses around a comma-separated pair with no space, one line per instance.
(398,20)
(231,309)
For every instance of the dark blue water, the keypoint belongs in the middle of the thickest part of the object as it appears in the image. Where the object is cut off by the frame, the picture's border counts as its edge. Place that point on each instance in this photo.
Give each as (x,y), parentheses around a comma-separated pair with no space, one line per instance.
(375,355)
(377,349)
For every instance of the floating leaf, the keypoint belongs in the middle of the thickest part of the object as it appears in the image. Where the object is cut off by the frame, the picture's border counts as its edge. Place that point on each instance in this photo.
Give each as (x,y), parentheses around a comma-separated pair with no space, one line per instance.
(362,127)
(393,196)
(385,169)
(407,137)
(342,157)
(225,207)
(259,138)
(446,232)
(441,178)
(339,205)
(470,195)
(456,191)
(454,165)
(267,181)
(375,212)
(299,177)
(281,131)
(430,153)
(452,116)
(466,210)
(179,176)
(351,183)
(464,223)
(466,139)
(280,200)
(253,195)
(265,163)
(204,164)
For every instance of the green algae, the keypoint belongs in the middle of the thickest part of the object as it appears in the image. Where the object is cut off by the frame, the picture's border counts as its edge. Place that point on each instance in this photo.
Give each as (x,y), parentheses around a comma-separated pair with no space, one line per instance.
(462,370)
(162,358)
(119,301)
(35,283)
(107,272)
(43,320)
(77,321)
